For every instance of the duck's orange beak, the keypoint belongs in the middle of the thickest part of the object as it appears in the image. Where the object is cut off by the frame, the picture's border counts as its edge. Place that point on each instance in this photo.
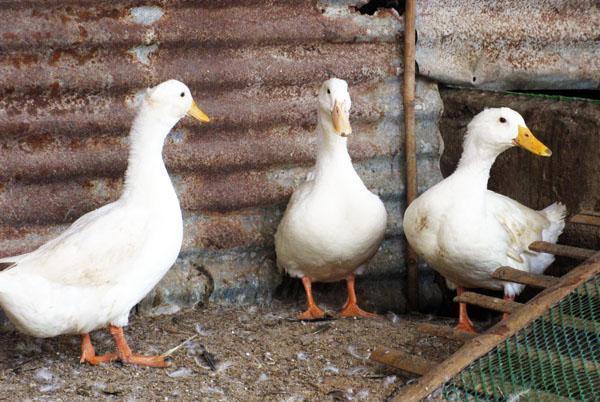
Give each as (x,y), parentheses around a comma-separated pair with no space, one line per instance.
(525,139)
(197,114)
(341,124)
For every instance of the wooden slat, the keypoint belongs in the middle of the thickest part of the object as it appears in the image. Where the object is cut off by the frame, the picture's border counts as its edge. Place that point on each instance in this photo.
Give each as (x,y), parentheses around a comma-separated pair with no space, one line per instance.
(403,361)
(526,278)
(492,303)
(585,219)
(444,331)
(577,253)
(482,344)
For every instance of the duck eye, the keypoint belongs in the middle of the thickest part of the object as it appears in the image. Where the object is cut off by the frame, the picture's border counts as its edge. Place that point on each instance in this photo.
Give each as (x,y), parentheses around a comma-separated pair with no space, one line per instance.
(182,94)
(328,91)
(502,120)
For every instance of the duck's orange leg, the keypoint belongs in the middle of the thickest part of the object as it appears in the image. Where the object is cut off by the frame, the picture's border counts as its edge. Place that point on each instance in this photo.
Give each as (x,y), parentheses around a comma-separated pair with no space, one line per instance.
(88,354)
(313,312)
(505,315)
(125,355)
(351,309)
(464,323)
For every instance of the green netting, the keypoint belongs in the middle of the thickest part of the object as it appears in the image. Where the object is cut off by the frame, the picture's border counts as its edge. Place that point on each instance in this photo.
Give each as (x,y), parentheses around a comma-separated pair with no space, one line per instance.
(555,358)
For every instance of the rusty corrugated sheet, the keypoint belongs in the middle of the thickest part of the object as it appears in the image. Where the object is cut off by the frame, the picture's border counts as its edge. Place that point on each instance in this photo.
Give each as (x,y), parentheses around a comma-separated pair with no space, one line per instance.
(505,44)
(69,74)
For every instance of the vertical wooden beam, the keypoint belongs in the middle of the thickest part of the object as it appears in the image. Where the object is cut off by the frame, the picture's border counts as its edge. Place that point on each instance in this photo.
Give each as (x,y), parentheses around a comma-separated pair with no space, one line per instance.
(408,96)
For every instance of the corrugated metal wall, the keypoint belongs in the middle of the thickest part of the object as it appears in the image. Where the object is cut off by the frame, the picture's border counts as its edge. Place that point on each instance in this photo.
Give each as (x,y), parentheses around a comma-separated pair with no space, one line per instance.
(507,44)
(69,74)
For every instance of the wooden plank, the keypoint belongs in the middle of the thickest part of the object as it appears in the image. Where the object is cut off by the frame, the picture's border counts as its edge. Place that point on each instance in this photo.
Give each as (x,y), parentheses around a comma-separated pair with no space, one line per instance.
(403,361)
(482,344)
(577,253)
(526,278)
(492,303)
(445,331)
(585,219)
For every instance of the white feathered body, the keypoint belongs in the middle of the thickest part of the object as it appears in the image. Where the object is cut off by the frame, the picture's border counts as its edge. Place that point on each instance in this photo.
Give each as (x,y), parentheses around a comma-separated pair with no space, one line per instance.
(107,261)
(333,224)
(465,232)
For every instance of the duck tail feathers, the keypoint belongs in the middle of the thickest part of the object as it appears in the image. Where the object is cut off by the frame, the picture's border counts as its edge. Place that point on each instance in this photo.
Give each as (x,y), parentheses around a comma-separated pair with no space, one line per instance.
(556,214)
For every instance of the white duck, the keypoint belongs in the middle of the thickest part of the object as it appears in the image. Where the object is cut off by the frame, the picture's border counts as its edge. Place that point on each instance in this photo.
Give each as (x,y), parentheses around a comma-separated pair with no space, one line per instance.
(333,224)
(465,231)
(92,274)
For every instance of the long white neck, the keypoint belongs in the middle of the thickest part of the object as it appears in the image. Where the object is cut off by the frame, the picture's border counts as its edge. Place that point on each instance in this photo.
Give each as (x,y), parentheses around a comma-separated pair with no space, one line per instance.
(146,175)
(333,159)
(475,163)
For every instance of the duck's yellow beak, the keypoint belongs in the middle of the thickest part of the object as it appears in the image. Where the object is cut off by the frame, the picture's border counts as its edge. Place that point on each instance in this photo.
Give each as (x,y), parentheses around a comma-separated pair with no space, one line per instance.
(341,124)
(525,139)
(197,114)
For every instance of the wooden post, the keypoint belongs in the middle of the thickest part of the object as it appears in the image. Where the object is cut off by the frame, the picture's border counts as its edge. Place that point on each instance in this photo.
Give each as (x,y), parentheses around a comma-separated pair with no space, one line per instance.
(482,344)
(403,361)
(526,278)
(410,149)
(577,253)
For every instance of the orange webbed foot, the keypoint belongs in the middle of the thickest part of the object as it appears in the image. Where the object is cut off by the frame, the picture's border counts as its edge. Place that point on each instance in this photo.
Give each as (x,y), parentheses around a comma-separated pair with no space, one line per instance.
(464,323)
(466,327)
(127,357)
(148,361)
(88,354)
(352,310)
(312,313)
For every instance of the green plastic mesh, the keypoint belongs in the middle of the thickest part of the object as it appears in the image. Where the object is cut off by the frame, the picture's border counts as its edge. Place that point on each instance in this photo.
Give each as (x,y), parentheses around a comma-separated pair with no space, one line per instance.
(554,358)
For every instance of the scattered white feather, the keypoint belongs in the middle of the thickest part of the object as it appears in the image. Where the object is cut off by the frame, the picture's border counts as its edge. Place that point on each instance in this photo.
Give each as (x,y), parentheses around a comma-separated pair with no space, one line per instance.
(223,366)
(393,317)
(181,373)
(354,353)
(331,369)
(44,374)
(301,356)
(209,389)
(517,396)
(389,380)
(200,330)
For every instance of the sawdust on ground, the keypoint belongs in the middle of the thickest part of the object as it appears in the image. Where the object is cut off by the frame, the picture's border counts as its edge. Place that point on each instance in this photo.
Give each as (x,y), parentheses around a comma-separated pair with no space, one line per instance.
(259,354)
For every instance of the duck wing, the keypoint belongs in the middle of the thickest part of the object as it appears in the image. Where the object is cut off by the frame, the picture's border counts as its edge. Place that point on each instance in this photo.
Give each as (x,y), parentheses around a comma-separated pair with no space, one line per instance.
(523,225)
(93,251)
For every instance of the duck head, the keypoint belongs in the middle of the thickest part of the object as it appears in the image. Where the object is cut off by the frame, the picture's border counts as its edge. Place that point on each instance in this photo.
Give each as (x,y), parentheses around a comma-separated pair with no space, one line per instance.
(173,100)
(334,106)
(498,129)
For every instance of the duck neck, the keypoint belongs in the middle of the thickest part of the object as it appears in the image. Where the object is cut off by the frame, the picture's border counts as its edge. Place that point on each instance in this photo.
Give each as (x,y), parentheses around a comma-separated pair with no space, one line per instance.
(332,156)
(475,163)
(146,175)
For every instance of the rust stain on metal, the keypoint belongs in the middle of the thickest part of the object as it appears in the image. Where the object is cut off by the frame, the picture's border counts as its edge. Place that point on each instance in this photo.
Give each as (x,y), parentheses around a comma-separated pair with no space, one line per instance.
(510,45)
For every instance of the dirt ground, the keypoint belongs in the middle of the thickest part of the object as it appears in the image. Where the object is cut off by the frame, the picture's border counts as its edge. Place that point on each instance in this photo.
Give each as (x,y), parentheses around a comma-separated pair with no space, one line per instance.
(259,354)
